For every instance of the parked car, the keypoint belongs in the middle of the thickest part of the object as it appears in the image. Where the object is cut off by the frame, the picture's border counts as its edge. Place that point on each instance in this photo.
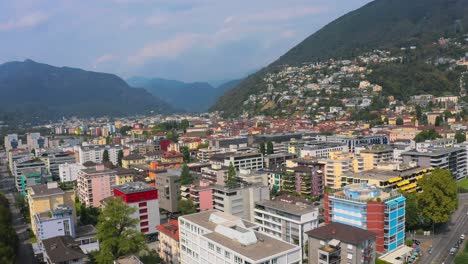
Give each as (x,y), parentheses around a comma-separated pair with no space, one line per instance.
(453,251)
(462,237)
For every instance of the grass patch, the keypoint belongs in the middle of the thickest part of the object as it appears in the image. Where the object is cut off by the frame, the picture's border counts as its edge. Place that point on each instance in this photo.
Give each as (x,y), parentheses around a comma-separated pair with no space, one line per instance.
(463,183)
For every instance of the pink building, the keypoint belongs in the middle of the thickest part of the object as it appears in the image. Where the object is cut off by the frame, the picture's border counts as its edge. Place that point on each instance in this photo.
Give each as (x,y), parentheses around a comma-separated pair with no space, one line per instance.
(201,195)
(95,184)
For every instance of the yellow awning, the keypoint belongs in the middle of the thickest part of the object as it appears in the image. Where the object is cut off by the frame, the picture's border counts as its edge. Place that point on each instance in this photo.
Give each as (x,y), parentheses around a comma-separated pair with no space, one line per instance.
(419,177)
(411,186)
(403,183)
(392,180)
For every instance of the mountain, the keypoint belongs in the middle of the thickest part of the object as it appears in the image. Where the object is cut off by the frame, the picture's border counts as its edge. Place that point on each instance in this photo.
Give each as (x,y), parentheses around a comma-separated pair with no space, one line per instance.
(381,24)
(191,97)
(35,91)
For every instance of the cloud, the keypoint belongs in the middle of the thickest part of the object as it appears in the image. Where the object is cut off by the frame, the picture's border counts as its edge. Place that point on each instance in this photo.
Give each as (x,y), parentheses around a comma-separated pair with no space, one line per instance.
(288,34)
(169,48)
(102,59)
(27,21)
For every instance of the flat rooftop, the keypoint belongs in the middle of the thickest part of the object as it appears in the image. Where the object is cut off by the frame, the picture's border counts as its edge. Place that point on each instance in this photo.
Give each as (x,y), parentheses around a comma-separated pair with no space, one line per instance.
(433,153)
(203,219)
(384,175)
(292,208)
(134,187)
(264,248)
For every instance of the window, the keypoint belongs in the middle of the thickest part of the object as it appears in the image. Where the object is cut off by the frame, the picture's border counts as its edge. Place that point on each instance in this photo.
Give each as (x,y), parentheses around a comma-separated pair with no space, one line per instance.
(144,224)
(350,246)
(142,204)
(350,256)
(274,261)
(210,246)
(237,260)
(143,217)
(227,254)
(144,230)
(142,211)
(218,250)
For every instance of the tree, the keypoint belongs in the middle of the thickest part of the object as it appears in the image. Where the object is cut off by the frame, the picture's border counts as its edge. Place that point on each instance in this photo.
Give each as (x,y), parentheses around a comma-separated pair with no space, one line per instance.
(438,199)
(269,149)
(185,177)
(33,152)
(116,231)
(231,175)
(424,135)
(186,207)
(172,135)
(8,238)
(105,156)
(186,152)
(412,218)
(120,157)
(184,124)
(89,215)
(124,130)
(399,121)
(438,121)
(460,137)
(262,148)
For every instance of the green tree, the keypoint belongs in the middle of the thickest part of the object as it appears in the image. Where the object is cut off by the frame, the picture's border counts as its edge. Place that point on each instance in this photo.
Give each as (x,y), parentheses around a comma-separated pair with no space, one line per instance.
(412,218)
(108,140)
(184,124)
(262,148)
(438,121)
(8,238)
(424,135)
(460,137)
(124,130)
(89,215)
(385,120)
(185,176)
(399,121)
(269,148)
(116,231)
(186,207)
(186,152)
(231,175)
(172,135)
(438,199)
(105,156)
(120,157)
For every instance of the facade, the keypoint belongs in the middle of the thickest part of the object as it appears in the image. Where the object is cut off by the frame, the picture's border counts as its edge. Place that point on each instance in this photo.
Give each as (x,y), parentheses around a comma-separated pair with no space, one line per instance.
(353,141)
(53,160)
(36,141)
(68,172)
(94,153)
(133,159)
(322,149)
(338,243)
(218,143)
(221,238)
(45,198)
(252,161)
(123,176)
(452,158)
(144,199)
(200,194)
(57,222)
(341,163)
(168,189)
(95,184)
(216,173)
(169,249)
(239,200)
(306,180)
(11,141)
(375,156)
(367,207)
(286,220)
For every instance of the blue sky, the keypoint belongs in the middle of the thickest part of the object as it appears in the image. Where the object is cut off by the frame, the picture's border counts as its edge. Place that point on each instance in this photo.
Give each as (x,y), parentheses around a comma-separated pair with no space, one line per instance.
(191,40)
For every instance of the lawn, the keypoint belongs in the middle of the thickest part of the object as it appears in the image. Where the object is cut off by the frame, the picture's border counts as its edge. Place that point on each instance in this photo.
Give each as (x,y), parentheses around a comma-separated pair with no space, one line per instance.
(463,183)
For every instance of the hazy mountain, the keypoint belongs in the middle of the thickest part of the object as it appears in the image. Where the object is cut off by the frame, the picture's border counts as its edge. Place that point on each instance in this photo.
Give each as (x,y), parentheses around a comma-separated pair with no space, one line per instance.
(387,24)
(191,97)
(35,91)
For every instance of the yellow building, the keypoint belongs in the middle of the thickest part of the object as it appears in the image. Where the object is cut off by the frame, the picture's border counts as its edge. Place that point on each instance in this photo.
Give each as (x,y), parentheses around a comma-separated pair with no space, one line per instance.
(132,159)
(123,176)
(376,155)
(44,198)
(406,133)
(389,177)
(172,157)
(338,164)
(169,242)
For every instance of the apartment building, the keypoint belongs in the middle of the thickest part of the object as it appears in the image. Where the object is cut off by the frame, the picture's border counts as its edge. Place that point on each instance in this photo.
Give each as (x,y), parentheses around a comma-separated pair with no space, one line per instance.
(53,159)
(57,222)
(24,165)
(216,173)
(376,155)
(68,172)
(168,187)
(286,220)
(36,141)
(341,163)
(45,198)
(220,238)
(338,243)
(144,199)
(94,153)
(95,184)
(252,161)
(169,249)
(11,141)
(322,149)
(368,207)
(353,141)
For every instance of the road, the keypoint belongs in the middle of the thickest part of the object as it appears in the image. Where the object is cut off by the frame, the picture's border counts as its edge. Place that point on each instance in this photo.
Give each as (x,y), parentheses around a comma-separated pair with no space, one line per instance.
(447,239)
(25,252)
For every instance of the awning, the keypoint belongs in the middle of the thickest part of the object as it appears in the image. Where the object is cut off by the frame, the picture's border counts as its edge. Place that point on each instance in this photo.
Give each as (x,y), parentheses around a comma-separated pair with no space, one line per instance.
(392,180)
(403,183)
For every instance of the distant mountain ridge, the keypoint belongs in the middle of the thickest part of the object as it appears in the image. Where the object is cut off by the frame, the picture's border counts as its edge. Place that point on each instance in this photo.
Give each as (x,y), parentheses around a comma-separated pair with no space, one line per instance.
(190,97)
(385,24)
(36,91)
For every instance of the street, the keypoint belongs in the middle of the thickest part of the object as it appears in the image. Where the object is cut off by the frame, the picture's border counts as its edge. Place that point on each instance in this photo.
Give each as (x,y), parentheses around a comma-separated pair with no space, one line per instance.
(25,254)
(447,239)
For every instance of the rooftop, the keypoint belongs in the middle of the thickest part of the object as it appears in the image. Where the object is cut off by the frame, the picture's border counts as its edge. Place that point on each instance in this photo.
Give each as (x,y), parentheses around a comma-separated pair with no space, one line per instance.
(45,190)
(385,175)
(170,228)
(134,187)
(363,192)
(292,208)
(346,233)
(62,249)
(433,153)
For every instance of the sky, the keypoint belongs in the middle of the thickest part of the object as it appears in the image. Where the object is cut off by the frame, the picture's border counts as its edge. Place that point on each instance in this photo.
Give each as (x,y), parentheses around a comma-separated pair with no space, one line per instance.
(189,40)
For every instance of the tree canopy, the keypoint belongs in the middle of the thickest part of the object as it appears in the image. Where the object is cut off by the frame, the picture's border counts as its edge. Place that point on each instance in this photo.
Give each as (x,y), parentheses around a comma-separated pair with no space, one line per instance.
(116,232)
(105,156)
(185,176)
(460,137)
(186,207)
(8,238)
(424,135)
(231,175)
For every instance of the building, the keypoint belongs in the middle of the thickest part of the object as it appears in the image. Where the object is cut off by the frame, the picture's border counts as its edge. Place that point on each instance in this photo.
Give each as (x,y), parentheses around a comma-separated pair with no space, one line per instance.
(218,143)
(53,160)
(11,141)
(68,172)
(239,200)
(216,173)
(305,180)
(452,158)
(63,249)
(36,141)
(429,145)
(286,220)
(45,198)
(376,155)
(200,194)
(133,159)
(341,163)
(169,249)
(144,199)
(277,160)
(252,161)
(353,141)
(172,157)
(322,149)
(57,222)
(23,165)
(368,207)
(338,243)
(216,237)
(33,176)
(95,184)
(168,186)
(94,153)
(123,176)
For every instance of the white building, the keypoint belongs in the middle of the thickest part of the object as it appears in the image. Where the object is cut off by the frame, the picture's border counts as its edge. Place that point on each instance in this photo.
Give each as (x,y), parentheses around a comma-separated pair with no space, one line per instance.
(36,141)
(69,172)
(239,200)
(322,149)
(286,220)
(219,238)
(252,161)
(94,153)
(58,222)
(11,141)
